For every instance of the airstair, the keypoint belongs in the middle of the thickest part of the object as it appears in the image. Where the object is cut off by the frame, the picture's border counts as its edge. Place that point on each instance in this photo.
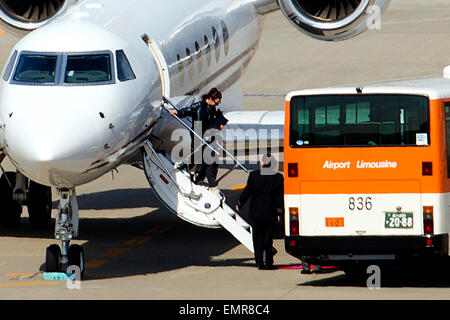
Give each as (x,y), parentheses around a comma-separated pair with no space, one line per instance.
(190,202)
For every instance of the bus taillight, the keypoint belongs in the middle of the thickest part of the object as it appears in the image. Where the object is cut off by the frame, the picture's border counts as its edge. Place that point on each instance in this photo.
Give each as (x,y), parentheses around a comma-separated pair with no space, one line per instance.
(428,223)
(293,221)
(427,168)
(292,170)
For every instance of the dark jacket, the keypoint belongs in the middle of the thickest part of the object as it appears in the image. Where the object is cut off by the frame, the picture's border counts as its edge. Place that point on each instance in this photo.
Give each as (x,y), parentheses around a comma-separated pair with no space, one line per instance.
(267,196)
(201,111)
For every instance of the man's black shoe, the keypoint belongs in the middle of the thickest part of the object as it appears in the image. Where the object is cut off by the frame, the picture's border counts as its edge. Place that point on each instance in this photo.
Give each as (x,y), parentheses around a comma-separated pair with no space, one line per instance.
(267,267)
(306,268)
(262,267)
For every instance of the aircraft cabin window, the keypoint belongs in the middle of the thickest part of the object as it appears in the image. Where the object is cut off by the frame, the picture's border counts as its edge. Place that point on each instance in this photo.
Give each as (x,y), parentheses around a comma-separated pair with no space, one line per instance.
(89,68)
(124,70)
(36,69)
(226,37)
(180,69)
(190,63)
(216,40)
(10,66)
(198,54)
(207,50)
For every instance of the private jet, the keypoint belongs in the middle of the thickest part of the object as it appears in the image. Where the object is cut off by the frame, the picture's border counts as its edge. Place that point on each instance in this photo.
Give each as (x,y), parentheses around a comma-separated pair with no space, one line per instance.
(89,85)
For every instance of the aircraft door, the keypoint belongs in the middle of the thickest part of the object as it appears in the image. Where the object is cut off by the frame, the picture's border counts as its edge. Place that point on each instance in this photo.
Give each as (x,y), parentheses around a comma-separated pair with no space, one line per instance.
(161,62)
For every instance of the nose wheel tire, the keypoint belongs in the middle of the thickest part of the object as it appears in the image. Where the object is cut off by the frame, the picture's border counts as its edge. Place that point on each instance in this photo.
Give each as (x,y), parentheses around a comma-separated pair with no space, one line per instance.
(52,258)
(10,210)
(39,205)
(76,257)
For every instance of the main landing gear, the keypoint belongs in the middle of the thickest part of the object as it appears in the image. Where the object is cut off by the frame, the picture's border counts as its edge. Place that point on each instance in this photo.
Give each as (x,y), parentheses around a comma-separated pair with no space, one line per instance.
(10,208)
(17,191)
(58,259)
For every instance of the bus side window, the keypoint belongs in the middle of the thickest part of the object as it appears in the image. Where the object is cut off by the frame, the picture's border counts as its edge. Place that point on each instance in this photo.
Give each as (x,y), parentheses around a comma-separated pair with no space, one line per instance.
(447,129)
(299,120)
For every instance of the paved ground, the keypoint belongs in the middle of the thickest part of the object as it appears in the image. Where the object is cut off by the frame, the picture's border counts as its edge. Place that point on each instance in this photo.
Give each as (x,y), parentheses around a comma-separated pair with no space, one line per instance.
(137,250)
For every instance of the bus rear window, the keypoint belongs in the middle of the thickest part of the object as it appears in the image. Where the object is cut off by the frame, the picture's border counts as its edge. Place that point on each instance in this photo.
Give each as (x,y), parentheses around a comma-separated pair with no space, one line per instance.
(36,69)
(359,120)
(86,69)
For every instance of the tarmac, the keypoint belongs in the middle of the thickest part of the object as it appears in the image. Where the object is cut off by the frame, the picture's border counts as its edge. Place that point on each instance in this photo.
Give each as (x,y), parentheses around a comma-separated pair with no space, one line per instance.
(136,249)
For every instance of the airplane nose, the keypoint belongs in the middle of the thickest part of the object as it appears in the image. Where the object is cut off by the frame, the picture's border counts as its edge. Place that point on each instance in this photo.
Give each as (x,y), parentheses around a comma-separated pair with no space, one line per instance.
(47,160)
(51,148)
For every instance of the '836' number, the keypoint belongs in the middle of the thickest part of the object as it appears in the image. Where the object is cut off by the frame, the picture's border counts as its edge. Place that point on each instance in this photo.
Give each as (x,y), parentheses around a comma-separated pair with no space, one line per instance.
(360,203)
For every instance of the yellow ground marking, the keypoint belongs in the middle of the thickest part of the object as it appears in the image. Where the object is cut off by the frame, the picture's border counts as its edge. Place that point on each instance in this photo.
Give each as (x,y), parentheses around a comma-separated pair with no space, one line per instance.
(99,276)
(116,252)
(96,263)
(19,275)
(25,284)
(238,187)
(153,230)
(158,230)
(138,241)
(2,32)
(135,242)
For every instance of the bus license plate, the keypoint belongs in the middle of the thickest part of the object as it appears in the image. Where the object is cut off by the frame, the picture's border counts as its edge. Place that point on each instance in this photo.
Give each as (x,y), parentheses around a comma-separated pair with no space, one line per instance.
(398,220)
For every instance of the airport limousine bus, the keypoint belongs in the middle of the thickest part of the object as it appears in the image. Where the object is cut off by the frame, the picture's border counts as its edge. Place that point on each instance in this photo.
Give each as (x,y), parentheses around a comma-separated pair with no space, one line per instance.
(367,172)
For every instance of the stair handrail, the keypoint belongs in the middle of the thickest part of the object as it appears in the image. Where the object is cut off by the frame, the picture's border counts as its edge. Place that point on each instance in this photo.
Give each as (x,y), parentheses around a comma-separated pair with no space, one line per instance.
(167,100)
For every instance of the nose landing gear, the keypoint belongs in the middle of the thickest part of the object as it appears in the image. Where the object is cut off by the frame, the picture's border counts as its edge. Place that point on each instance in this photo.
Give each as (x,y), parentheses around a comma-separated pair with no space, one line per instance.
(58,259)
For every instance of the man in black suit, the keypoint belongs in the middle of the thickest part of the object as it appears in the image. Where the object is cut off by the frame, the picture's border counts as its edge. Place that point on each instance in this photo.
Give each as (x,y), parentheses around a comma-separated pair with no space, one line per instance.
(266,189)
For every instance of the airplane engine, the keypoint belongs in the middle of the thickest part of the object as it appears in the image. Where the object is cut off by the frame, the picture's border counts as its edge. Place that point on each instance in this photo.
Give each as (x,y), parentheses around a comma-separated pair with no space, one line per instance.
(333,20)
(22,16)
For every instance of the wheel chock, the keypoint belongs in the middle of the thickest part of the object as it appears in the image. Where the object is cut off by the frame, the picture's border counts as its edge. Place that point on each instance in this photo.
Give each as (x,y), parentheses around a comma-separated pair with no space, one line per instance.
(58,276)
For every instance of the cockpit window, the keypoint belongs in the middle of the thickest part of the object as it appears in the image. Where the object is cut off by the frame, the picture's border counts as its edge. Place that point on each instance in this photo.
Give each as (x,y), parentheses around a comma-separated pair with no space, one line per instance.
(124,70)
(35,68)
(10,66)
(59,69)
(93,68)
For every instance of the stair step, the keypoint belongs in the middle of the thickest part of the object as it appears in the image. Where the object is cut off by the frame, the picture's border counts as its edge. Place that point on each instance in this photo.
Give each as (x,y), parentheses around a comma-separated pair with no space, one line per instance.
(173,187)
(240,232)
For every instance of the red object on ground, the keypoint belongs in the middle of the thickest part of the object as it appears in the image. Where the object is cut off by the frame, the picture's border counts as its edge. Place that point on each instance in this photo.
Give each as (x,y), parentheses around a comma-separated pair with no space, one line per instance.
(299,267)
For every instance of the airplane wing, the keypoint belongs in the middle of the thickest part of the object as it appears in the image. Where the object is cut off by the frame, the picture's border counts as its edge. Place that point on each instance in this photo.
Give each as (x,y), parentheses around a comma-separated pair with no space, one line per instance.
(247,135)
(254,133)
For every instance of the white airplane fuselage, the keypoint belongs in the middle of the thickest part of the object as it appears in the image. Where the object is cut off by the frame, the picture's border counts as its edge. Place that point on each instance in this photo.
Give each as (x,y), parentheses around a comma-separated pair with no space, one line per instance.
(65,135)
